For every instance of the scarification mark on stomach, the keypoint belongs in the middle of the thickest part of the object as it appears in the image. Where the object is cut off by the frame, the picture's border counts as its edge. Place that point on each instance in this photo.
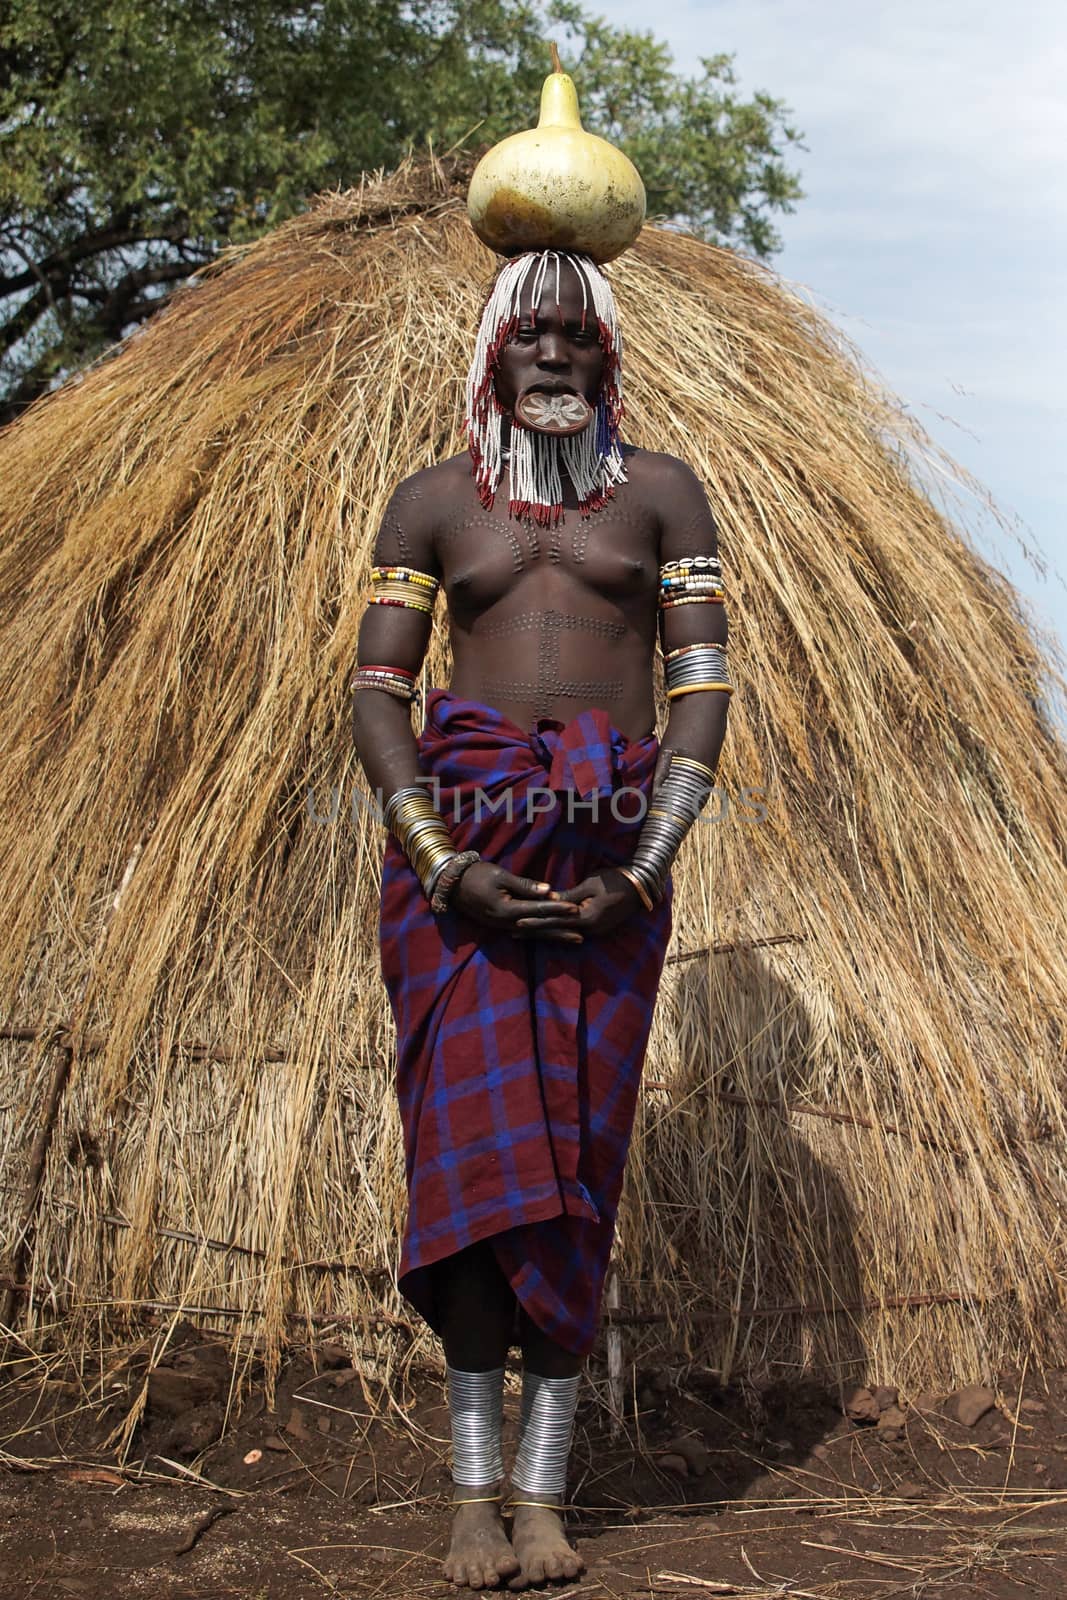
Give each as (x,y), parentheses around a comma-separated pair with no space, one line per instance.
(548,685)
(553,621)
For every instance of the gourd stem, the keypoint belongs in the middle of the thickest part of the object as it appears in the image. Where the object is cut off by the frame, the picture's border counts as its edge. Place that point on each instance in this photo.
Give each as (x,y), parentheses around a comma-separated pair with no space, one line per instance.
(557,65)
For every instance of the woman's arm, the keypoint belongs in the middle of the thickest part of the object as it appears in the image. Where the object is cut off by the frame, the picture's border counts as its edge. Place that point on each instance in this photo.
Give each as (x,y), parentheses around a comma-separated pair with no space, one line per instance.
(692,627)
(395,637)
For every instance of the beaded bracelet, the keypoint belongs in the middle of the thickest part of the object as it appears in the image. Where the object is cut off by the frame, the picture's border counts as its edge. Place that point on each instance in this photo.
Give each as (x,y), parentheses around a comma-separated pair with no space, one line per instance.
(690,580)
(440,889)
(394,680)
(403,586)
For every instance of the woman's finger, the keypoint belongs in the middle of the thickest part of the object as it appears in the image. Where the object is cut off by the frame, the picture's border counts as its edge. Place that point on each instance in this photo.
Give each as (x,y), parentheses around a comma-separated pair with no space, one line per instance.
(541,927)
(582,891)
(525,888)
(550,910)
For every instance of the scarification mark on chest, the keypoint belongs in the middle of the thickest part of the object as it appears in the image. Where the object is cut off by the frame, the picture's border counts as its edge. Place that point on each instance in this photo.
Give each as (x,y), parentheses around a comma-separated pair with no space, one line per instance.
(508,531)
(610,517)
(548,685)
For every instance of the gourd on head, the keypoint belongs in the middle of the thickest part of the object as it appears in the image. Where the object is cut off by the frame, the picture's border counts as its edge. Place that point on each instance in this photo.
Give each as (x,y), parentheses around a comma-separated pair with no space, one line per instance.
(556,187)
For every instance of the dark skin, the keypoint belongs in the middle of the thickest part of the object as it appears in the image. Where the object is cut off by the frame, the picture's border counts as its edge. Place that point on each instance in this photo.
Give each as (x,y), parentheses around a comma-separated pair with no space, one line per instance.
(542,623)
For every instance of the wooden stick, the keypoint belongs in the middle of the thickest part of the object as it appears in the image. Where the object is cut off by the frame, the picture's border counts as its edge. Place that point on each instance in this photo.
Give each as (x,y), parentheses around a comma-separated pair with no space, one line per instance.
(60,1033)
(201,1525)
(623,1319)
(736,944)
(799,1308)
(184,1237)
(613,1339)
(847,1117)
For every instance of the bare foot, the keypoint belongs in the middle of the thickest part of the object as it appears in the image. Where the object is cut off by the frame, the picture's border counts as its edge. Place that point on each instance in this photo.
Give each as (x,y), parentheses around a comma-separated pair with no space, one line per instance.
(479,1555)
(541,1545)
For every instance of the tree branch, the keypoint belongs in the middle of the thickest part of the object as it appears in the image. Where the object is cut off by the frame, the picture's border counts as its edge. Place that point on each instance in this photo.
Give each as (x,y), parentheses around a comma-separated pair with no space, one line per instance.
(116,233)
(121,304)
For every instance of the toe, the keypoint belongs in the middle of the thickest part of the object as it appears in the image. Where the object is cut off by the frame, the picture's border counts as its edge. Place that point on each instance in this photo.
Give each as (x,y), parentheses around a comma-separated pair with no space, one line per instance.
(553,1567)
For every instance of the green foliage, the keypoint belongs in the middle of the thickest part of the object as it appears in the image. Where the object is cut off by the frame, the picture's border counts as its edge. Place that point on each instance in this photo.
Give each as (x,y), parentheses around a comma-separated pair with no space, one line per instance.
(137,139)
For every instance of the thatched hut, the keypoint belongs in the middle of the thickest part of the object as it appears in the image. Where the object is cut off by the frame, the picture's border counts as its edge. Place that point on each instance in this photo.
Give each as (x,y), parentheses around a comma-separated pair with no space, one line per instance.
(850,1154)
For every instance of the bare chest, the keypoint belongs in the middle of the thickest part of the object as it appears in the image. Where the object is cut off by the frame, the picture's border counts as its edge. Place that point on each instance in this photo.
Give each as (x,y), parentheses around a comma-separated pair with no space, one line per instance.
(486,556)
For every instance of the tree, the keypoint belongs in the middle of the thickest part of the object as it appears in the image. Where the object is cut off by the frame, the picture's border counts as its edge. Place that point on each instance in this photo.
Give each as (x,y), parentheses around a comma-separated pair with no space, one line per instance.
(136,140)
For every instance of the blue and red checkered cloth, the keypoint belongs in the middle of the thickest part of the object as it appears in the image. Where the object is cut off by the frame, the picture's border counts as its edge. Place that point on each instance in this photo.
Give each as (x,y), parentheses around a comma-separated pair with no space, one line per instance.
(518,1062)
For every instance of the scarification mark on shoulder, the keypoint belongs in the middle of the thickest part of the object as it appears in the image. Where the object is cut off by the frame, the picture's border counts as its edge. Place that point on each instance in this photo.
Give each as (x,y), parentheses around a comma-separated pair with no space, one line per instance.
(699,518)
(393,531)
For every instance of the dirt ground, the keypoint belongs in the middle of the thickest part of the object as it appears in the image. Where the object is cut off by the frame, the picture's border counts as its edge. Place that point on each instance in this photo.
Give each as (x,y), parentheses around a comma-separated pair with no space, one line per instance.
(744,1490)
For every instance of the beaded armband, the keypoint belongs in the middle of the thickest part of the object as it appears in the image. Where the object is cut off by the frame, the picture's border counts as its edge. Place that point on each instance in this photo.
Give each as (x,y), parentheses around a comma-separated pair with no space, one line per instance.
(403,586)
(394,680)
(690,580)
(695,667)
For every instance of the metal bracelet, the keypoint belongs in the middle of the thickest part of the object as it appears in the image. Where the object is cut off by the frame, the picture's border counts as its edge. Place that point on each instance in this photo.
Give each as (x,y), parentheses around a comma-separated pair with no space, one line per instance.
(676,804)
(548,1407)
(476,1405)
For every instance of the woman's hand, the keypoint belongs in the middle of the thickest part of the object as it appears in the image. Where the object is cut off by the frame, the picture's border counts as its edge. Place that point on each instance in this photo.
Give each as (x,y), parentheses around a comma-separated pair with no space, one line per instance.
(525,907)
(603,901)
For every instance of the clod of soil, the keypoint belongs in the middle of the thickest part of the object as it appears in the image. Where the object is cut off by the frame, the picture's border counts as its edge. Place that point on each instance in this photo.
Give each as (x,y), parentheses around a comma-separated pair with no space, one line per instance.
(860,1405)
(172,1394)
(973,1403)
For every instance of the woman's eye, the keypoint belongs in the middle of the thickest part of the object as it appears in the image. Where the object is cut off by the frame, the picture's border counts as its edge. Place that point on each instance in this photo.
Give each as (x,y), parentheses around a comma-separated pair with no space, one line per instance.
(526,335)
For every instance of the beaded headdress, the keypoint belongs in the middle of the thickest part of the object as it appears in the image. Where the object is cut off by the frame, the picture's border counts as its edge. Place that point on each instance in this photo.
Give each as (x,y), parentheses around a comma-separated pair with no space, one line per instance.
(592,458)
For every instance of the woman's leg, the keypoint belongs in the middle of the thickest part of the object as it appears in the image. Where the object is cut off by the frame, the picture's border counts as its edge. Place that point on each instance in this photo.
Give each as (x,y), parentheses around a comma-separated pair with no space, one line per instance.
(550,1380)
(475,1307)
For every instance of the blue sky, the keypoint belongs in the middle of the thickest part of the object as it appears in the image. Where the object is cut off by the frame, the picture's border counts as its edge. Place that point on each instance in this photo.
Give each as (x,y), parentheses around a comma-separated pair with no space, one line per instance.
(934,230)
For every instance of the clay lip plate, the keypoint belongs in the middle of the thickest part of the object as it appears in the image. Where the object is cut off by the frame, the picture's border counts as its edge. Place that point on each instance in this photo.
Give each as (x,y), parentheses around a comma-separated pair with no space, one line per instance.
(559,412)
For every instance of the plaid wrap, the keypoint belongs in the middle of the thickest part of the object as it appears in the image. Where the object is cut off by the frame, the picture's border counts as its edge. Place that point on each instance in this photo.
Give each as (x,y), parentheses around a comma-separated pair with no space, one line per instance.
(518,1062)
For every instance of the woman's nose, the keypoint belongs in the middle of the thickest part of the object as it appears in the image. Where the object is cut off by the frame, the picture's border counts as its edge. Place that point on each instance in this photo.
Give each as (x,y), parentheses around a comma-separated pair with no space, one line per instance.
(552,349)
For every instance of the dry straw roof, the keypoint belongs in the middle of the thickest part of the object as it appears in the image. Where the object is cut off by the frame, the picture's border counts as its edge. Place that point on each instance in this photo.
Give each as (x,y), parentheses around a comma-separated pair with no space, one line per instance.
(850,1149)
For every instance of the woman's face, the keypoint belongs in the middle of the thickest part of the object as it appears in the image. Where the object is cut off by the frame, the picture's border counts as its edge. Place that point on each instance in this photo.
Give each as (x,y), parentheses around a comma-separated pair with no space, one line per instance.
(550,351)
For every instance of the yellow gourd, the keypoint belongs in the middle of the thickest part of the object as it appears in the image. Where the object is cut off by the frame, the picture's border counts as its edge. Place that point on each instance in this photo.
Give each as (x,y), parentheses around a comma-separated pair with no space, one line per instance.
(556,186)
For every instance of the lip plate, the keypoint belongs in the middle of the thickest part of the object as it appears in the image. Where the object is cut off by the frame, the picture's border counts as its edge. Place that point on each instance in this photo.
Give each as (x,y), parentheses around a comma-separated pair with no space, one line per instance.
(527,413)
